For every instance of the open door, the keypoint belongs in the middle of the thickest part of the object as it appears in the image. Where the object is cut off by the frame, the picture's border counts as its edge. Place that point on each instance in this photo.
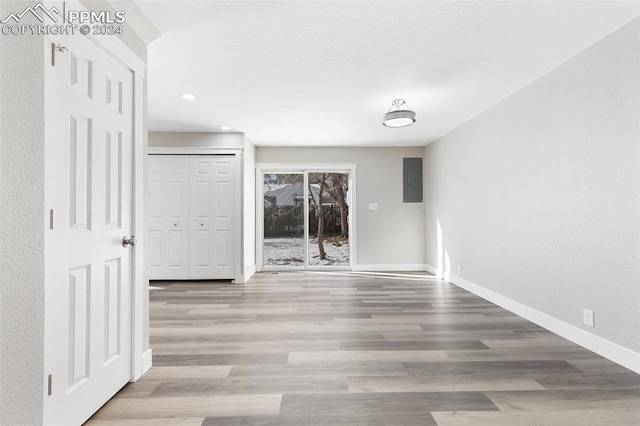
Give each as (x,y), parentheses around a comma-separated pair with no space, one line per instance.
(89,96)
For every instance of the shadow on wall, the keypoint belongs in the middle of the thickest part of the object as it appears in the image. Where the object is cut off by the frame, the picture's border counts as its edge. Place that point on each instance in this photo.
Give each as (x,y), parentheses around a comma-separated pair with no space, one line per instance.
(444,264)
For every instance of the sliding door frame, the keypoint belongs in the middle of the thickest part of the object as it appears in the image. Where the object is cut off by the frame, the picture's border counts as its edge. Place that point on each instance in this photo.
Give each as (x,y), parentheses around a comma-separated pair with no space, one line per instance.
(305,169)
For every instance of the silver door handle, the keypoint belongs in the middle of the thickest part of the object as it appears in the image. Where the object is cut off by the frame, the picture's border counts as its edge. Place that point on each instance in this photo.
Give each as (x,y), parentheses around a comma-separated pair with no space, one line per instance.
(129,241)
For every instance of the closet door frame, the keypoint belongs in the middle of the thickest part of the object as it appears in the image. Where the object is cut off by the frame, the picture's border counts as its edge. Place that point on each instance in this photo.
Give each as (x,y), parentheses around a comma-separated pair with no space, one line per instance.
(237,164)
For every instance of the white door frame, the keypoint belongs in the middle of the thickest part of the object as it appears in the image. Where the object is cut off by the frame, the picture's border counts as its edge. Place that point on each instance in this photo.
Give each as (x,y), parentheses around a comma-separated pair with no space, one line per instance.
(237,227)
(140,356)
(304,168)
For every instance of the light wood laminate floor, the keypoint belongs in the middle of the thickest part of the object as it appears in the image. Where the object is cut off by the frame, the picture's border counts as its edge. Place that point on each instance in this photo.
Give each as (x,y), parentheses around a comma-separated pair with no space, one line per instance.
(347,349)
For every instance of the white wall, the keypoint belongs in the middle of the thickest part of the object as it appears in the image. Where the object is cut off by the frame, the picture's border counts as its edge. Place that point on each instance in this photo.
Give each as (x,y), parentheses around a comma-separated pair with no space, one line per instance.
(197,139)
(21,226)
(391,237)
(249,209)
(538,198)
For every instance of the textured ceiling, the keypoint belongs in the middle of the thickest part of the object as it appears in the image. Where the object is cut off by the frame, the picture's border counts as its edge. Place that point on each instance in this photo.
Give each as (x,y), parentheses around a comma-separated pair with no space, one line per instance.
(322,73)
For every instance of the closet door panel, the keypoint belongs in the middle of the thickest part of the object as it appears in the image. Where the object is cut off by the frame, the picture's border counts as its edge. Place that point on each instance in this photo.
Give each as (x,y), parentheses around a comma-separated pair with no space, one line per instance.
(212,216)
(223,242)
(202,253)
(177,216)
(177,243)
(202,182)
(168,217)
(224,215)
(156,266)
(156,220)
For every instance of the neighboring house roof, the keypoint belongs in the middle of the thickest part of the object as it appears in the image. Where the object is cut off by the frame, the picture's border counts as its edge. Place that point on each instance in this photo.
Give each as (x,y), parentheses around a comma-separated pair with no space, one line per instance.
(289,194)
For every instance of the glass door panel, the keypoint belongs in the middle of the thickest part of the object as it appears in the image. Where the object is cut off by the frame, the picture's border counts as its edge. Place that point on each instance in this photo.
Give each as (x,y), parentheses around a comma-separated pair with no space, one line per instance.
(284,210)
(328,230)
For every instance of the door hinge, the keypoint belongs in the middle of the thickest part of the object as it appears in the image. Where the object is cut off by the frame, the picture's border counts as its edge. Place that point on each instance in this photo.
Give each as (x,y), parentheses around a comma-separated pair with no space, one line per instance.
(54,48)
(51,219)
(49,380)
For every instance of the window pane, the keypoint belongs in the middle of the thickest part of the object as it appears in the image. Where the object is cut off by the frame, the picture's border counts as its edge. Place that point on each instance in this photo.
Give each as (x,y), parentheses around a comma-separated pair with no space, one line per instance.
(283,219)
(328,212)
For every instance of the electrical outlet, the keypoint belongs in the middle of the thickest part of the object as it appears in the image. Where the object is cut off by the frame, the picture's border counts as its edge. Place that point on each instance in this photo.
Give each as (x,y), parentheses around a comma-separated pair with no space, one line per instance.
(459,270)
(588,318)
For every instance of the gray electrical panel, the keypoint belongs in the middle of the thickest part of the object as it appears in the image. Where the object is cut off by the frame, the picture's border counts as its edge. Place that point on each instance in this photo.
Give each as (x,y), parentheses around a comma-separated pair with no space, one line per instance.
(412,180)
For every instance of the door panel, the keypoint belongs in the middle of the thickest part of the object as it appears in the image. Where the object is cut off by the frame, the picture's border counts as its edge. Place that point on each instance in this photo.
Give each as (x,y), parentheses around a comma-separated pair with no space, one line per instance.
(223,207)
(176,248)
(90,117)
(112,309)
(213,215)
(201,250)
(203,199)
(114,94)
(80,170)
(168,217)
(79,315)
(80,73)
(176,207)
(283,219)
(156,249)
(222,241)
(113,178)
(328,230)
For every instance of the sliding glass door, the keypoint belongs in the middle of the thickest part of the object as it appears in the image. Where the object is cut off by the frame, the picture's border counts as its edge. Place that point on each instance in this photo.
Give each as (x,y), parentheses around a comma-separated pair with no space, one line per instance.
(306,219)
(328,230)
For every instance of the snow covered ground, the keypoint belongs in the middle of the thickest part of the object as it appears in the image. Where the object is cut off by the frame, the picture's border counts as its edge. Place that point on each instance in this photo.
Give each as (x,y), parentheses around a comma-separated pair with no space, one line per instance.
(290,252)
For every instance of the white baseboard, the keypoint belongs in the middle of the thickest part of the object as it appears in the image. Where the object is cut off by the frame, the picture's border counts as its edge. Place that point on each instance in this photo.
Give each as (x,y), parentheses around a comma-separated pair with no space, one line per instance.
(431,269)
(610,350)
(146,360)
(391,267)
(247,275)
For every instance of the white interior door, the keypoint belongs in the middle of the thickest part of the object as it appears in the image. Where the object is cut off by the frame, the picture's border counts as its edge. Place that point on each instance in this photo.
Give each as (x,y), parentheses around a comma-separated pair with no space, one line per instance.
(89,98)
(168,217)
(213,215)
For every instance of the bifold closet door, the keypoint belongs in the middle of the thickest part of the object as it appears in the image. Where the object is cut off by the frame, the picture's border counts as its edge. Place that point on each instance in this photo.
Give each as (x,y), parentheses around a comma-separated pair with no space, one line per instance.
(169,217)
(212,216)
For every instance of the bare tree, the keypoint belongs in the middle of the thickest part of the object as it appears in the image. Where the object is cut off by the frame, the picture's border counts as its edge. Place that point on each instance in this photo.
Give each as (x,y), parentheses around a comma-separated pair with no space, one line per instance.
(337,183)
(319,209)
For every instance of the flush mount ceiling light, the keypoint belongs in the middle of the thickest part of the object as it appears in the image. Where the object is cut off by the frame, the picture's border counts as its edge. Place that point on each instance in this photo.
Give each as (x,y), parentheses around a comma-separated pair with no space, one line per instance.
(188,96)
(399,115)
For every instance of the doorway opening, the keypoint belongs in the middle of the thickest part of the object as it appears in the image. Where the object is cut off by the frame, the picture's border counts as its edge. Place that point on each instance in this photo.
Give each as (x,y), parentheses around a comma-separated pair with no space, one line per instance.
(306,218)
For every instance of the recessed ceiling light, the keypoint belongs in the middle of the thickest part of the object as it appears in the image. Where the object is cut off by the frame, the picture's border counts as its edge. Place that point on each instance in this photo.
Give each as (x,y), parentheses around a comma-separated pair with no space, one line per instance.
(188,96)
(225,128)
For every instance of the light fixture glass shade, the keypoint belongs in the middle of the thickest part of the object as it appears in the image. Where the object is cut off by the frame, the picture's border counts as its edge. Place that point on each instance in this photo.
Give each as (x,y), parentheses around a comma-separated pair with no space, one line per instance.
(397,116)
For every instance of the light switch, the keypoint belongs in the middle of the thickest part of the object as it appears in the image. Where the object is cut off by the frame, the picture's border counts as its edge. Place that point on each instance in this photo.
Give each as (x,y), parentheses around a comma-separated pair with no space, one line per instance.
(373,206)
